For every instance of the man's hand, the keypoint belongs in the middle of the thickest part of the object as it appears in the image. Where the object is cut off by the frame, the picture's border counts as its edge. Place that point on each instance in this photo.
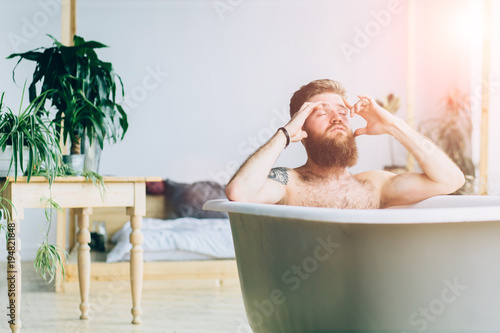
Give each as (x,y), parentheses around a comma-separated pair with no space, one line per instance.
(440,174)
(378,120)
(294,126)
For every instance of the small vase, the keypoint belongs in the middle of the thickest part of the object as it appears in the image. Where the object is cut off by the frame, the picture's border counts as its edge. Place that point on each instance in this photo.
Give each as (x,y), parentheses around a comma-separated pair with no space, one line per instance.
(74,163)
(92,155)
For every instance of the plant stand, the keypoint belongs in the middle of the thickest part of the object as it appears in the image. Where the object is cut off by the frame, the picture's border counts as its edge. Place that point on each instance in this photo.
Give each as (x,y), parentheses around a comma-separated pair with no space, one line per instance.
(76,192)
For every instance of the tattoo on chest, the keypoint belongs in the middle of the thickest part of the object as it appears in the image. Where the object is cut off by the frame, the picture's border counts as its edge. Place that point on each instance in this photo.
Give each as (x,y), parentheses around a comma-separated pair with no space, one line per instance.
(279,174)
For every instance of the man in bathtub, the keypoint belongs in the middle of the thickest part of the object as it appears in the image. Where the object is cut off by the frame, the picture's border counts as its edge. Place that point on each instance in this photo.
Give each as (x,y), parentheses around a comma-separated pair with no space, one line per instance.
(320,119)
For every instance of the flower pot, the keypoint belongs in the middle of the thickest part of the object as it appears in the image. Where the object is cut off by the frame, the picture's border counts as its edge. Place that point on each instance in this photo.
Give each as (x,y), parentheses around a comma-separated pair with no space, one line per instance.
(74,163)
(92,155)
(6,158)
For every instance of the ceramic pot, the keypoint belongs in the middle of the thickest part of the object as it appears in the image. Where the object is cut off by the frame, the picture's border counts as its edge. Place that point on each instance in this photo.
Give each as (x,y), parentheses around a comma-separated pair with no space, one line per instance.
(74,163)
(5,159)
(92,155)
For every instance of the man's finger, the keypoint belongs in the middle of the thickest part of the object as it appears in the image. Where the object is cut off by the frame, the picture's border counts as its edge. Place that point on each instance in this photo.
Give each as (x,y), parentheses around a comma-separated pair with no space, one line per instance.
(305,110)
(358,106)
(368,98)
(309,105)
(312,108)
(349,106)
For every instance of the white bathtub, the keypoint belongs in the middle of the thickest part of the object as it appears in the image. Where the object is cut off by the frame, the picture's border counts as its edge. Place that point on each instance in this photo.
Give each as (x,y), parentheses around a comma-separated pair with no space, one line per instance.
(433,266)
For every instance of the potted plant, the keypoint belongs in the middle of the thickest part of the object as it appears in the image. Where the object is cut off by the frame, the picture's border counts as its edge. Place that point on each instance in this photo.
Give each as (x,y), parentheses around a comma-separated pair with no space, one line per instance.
(83,89)
(451,130)
(391,103)
(30,139)
(6,153)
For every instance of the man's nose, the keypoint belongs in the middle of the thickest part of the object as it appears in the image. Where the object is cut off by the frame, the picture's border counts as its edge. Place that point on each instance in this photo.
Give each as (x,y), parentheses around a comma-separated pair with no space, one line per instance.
(335,116)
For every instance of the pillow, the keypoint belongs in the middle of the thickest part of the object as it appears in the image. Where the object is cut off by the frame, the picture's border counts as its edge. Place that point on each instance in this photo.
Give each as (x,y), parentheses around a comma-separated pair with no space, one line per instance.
(188,199)
(155,188)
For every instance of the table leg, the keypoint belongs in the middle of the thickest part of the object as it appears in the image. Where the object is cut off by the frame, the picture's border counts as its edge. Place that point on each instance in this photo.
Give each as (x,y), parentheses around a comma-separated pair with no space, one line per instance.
(61,243)
(14,275)
(72,228)
(136,267)
(83,238)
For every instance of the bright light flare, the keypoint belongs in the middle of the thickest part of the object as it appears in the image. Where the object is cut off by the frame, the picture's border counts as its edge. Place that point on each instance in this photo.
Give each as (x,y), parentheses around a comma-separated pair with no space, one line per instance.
(467,22)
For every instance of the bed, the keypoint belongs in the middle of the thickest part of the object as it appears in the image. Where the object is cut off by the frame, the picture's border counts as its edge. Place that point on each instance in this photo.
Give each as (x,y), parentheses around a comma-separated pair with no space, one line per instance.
(174,216)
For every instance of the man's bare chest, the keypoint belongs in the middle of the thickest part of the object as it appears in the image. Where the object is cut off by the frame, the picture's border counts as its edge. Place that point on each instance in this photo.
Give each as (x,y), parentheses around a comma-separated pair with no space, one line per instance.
(352,194)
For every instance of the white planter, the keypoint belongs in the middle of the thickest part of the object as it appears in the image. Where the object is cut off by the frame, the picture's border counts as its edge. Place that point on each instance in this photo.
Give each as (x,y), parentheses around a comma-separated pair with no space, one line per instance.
(74,163)
(92,154)
(5,158)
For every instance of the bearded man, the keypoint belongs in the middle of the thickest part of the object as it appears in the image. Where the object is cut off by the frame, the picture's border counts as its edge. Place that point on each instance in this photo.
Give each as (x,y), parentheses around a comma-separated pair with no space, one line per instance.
(320,119)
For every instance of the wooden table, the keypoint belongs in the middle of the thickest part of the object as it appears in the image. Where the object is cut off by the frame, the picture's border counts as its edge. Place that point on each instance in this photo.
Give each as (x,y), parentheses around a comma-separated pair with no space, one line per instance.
(82,195)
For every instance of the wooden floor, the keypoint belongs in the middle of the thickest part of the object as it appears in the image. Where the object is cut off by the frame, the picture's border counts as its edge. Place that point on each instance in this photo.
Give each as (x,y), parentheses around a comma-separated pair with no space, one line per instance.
(168,306)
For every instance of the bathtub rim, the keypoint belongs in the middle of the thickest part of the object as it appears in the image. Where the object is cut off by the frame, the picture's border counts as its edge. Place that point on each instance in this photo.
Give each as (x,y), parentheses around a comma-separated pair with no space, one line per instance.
(411,214)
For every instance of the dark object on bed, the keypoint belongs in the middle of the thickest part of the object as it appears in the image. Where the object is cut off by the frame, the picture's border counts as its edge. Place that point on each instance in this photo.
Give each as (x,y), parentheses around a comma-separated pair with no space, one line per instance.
(186,200)
(97,242)
(155,188)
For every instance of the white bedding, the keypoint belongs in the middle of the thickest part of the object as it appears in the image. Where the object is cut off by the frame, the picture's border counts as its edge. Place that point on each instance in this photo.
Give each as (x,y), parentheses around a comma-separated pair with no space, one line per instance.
(179,239)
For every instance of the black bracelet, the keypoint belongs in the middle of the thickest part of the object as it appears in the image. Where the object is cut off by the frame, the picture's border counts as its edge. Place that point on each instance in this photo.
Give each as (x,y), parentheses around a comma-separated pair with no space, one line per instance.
(286,134)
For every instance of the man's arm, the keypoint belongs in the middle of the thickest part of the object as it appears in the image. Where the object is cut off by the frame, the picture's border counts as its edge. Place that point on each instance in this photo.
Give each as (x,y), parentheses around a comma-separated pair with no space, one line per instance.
(440,174)
(255,181)
(251,182)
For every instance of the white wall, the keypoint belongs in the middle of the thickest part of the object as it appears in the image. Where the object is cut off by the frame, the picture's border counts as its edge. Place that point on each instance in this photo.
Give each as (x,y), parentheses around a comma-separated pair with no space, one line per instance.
(227,78)
(223,78)
(23,26)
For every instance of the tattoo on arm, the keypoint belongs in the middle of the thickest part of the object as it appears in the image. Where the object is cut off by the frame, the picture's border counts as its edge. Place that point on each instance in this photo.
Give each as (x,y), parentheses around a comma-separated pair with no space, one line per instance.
(279,174)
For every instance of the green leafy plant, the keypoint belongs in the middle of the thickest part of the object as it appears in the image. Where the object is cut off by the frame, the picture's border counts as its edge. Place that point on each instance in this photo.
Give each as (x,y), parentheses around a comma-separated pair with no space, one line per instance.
(32,130)
(48,257)
(97,180)
(47,260)
(82,88)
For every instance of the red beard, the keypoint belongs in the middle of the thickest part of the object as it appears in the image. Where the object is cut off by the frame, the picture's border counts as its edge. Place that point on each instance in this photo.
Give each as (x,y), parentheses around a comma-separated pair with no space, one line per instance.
(339,151)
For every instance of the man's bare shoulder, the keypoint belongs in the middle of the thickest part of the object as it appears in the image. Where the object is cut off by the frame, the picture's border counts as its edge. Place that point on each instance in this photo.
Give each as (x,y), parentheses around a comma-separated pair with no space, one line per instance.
(376,177)
(281,175)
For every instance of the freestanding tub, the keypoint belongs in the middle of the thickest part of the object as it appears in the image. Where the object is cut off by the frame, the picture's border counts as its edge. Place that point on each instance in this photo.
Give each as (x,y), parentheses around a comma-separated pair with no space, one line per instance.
(433,266)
